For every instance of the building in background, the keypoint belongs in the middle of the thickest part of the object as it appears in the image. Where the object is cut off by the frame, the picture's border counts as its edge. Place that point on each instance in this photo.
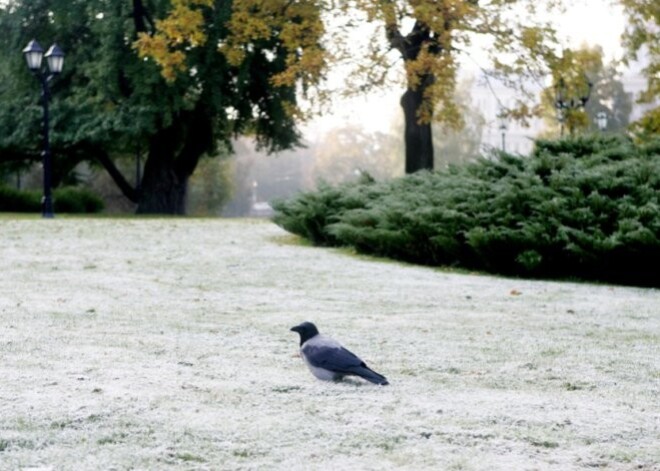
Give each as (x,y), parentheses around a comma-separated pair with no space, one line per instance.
(490,96)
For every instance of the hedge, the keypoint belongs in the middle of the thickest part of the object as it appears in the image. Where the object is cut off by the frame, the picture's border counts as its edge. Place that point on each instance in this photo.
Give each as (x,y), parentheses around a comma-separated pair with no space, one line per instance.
(65,200)
(584,207)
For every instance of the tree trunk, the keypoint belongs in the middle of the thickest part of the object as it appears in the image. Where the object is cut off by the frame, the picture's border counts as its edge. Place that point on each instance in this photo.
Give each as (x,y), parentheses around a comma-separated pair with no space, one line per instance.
(163,188)
(417,137)
(173,156)
(162,191)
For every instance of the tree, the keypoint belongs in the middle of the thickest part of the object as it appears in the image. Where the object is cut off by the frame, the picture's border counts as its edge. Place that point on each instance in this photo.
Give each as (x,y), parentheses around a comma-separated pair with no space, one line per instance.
(282,35)
(642,37)
(582,74)
(610,97)
(109,101)
(20,114)
(442,31)
(451,145)
(571,83)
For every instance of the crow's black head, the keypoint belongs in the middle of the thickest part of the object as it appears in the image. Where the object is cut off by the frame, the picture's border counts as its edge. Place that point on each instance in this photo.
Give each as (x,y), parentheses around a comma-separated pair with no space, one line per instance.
(307,330)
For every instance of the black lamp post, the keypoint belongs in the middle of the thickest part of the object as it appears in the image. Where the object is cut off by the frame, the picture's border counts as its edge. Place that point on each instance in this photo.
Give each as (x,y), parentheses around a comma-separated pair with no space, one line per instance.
(34,55)
(565,103)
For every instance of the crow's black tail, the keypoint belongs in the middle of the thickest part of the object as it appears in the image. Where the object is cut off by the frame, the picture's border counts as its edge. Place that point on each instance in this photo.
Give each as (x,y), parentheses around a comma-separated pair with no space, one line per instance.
(370,375)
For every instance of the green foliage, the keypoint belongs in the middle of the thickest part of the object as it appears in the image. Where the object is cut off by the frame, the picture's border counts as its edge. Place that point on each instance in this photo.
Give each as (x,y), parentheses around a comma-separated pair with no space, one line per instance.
(108,102)
(66,200)
(16,201)
(76,200)
(582,207)
(312,213)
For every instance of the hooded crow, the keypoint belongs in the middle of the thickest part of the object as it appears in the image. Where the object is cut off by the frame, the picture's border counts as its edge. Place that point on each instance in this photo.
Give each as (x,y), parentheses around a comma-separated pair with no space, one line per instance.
(328,360)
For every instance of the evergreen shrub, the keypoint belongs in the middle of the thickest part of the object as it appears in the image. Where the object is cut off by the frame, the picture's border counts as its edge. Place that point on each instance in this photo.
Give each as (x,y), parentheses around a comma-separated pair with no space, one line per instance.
(65,200)
(76,200)
(584,207)
(17,201)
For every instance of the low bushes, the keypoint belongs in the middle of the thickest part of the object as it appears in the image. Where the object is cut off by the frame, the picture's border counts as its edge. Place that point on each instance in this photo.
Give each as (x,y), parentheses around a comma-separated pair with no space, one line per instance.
(584,207)
(65,200)
(76,200)
(16,201)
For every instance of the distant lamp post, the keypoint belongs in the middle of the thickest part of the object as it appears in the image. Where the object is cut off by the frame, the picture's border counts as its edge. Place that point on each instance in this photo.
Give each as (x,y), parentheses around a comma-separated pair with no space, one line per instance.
(255,187)
(601,120)
(501,119)
(565,103)
(34,55)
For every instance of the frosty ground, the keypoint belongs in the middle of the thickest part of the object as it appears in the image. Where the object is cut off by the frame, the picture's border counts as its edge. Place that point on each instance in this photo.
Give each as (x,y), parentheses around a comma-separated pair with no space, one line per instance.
(165,344)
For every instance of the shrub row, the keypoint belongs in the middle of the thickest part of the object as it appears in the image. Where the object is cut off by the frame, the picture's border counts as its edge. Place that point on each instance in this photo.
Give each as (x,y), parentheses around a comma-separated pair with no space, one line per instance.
(65,200)
(579,208)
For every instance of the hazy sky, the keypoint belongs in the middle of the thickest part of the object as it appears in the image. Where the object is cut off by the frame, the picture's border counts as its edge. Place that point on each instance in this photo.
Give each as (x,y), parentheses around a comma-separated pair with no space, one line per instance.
(594,22)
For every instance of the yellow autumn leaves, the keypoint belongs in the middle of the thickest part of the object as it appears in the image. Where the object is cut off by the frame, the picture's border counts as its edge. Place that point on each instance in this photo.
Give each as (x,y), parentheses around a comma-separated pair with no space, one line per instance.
(297,26)
(295,32)
(182,28)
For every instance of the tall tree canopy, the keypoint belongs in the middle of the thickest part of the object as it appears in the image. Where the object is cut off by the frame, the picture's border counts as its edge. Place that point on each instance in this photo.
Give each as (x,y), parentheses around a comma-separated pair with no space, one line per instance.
(428,35)
(110,102)
(285,33)
(441,32)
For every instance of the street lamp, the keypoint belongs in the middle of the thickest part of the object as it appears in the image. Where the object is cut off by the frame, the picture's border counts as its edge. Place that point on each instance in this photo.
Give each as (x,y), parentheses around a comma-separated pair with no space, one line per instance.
(34,55)
(565,103)
(501,118)
(601,120)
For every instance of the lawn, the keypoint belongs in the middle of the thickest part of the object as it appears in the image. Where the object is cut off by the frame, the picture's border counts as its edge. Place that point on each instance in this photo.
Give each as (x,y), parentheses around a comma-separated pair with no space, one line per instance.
(165,344)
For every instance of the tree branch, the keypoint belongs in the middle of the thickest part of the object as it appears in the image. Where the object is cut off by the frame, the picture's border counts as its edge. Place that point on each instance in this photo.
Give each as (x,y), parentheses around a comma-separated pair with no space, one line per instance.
(125,187)
(142,19)
(19,155)
(395,38)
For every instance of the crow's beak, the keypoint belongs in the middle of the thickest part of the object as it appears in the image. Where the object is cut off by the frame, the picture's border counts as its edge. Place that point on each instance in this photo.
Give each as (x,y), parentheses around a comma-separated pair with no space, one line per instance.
(295,329)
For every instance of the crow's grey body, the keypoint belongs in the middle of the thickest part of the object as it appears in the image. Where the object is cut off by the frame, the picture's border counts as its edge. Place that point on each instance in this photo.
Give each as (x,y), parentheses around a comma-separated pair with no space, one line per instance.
(328,360)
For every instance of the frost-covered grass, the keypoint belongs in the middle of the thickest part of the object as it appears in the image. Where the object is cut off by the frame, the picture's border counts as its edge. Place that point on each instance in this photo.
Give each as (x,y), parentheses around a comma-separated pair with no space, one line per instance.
(165,344)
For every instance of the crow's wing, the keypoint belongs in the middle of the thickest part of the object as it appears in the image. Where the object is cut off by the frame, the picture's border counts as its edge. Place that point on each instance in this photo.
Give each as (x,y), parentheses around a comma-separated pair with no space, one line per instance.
(336,359)
(327,354)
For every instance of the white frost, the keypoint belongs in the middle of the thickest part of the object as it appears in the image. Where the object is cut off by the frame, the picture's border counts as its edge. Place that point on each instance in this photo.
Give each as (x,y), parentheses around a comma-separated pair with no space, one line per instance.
(165,344)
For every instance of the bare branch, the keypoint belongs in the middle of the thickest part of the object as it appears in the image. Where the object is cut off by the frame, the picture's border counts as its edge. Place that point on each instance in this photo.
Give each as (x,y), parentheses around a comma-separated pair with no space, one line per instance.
(125,187)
